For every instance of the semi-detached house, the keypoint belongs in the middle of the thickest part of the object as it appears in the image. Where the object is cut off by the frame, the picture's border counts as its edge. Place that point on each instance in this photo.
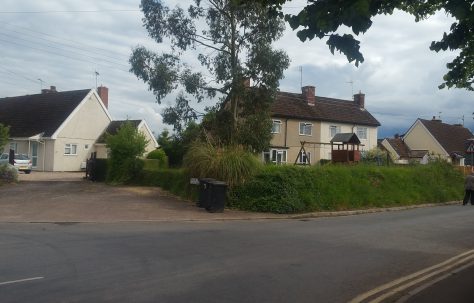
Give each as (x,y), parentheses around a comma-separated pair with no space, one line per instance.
(60,130)
(316,120)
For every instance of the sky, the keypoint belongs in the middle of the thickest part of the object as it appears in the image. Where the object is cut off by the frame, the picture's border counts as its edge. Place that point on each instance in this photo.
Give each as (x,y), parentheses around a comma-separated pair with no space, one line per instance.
(65,42)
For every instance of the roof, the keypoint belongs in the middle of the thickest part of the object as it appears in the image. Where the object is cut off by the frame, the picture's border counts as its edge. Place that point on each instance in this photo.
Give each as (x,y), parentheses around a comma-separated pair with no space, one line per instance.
(291,105)
(400,147)
(346,138)
(114,126)
(40,113)
(451,137)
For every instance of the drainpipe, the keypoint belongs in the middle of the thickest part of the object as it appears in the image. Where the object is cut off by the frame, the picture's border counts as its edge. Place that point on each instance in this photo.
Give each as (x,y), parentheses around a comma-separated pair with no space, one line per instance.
(286,130)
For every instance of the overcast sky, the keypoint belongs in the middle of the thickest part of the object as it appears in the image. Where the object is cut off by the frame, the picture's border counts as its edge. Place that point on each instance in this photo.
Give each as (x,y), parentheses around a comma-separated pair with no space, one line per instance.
(63,43)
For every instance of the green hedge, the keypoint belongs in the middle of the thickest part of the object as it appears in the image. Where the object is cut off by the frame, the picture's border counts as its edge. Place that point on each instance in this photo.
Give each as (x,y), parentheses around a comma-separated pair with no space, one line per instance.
(291,189)
(175,181)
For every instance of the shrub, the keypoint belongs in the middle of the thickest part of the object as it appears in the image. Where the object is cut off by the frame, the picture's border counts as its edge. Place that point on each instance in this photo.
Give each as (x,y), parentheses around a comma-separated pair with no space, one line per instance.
(125,147)
(290,189)
(231,164)
(174,180)
(8,174)
(160,156)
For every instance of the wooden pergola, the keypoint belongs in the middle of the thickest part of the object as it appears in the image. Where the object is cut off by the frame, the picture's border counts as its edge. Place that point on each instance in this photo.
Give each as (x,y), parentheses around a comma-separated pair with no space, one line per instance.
(345,148)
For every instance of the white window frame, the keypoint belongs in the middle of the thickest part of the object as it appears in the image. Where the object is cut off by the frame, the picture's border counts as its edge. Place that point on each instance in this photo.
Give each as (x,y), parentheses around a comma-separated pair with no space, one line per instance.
(305,126)
(304,158)
(362,130)
(278,124)
(274,155)
(336,128)
(70,149)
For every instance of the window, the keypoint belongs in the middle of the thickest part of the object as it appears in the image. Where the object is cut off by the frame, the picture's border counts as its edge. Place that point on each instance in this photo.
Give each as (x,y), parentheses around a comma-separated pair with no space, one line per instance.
(70,149)
(86,147)
(278,156)
(333,130)
(306,129)
(276,127)
(304,158)
(362,132)
(14,146)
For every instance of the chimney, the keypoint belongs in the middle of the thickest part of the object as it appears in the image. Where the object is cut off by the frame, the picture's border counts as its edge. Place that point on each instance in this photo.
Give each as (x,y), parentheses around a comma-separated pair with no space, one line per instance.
(359,99)
(51,89)
(309,94)
(436,120)
(104,95)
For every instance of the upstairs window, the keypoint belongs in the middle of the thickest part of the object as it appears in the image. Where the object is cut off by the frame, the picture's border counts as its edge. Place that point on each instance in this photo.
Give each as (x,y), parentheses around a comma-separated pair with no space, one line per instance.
(276,127)
(70,149)
(362,132)
(306,129)
(333,130)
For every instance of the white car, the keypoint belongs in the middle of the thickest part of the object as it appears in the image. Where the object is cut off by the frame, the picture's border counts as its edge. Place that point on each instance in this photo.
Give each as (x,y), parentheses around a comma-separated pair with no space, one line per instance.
(21,162)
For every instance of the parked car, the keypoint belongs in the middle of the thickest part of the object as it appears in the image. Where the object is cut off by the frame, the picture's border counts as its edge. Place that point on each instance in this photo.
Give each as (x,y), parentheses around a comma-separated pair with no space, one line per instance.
(21,162)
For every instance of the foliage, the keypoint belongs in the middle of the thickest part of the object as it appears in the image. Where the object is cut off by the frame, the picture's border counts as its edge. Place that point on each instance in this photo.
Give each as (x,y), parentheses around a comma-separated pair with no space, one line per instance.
(323,18)
(4,135)
(174,180)
(232,164)
(234,42)
(125,148)
(374,156)
(175,146)
(160,156)
(8,174)
(292,189)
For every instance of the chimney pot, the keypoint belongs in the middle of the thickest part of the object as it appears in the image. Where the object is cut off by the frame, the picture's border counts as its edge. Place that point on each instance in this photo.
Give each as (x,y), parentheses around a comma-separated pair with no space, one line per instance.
(103,93)
(309,94)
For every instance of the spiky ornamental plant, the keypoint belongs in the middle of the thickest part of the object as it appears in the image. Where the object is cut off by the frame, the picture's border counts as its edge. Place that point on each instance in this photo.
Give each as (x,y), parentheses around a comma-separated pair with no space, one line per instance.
(231,40)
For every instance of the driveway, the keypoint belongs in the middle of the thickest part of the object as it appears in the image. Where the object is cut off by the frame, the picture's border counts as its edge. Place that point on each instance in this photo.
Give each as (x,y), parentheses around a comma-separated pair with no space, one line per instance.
(66,197)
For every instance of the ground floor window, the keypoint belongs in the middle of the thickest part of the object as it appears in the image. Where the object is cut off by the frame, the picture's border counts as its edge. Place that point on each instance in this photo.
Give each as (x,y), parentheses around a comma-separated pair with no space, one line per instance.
(304,157)
(70,149)
(275,155)
(14,147)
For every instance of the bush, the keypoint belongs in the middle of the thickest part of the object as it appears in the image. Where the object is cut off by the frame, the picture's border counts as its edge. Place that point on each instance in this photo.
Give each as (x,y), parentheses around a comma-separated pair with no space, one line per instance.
(231,164)
(174,180)
(8,174)
(160,156)
(292,189)
(125,147)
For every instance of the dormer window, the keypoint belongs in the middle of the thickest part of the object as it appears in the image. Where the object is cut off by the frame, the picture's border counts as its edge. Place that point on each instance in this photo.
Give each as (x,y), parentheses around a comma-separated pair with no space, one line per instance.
(306,129)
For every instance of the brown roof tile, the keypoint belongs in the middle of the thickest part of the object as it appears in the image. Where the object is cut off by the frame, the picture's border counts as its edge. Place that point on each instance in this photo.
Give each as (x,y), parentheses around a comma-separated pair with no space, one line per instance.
(291,105)
(400,147)
(451,137)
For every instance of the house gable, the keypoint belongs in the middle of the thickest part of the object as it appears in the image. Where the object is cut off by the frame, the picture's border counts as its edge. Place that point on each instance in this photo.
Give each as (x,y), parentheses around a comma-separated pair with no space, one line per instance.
(43,114)
(91,108)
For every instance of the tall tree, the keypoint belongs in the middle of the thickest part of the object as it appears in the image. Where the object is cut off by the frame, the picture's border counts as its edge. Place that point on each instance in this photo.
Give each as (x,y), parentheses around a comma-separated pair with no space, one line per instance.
(322,18)
(230,39)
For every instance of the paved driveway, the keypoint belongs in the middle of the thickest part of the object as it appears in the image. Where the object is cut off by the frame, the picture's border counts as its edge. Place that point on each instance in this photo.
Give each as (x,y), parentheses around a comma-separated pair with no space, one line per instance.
(66,197)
